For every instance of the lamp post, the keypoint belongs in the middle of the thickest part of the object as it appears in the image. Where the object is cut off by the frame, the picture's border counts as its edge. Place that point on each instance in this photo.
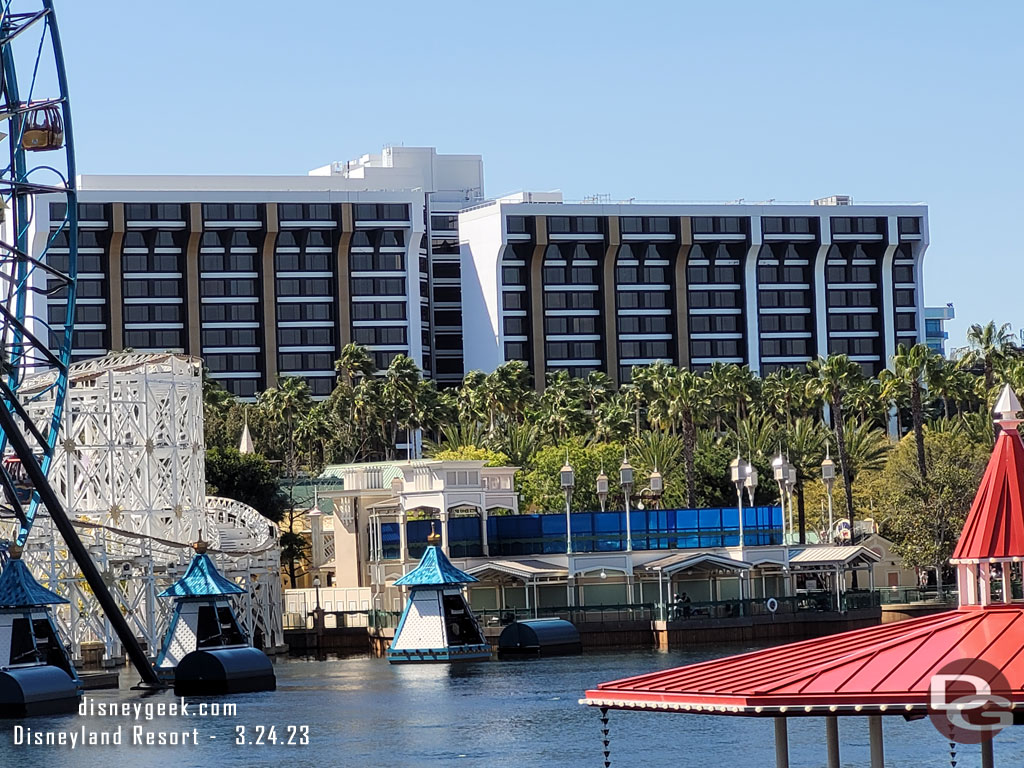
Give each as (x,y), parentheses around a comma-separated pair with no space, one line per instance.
(738,472)
(602,489)
(828,477)
(626,481)
(568,480)
(316,533)
(790,485)
(657,486)
(318,616)
(780,471)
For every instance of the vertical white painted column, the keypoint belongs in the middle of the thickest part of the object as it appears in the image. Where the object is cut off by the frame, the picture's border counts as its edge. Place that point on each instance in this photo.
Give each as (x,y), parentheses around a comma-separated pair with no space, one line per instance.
(820,297)
(782,742)
(483,533)
(403,543)
(444,531)
(875,740)
(832,740)
(984,584)
(888,304)
(1007,583)
(750,292)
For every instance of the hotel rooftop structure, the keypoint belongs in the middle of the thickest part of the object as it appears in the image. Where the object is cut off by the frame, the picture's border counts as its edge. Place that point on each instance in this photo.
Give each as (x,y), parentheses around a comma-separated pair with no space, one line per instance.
(596,286)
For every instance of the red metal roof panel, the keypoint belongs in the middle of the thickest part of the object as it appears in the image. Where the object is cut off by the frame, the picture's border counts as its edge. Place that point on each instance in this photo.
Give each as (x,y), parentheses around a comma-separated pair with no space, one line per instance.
(995,524)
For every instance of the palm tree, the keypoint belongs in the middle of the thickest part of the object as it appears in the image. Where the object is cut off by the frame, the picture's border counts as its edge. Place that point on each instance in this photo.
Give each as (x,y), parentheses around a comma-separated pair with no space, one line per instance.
(402,382)
(355,362)
(691,403)
(831,378)
(905,380)
(805,443)
(988,347)
(314,428)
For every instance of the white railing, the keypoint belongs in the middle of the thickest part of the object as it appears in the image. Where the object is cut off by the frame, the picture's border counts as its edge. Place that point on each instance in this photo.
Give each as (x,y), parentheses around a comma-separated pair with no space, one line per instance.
(242,528)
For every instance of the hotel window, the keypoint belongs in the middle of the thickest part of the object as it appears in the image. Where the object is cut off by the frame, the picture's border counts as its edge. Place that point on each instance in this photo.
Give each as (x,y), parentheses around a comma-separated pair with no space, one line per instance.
(909,225)
(152,339)
(446,271)
(515,350)
(515,224)
(227,313)
(228,337)
(906,321)
(514,300)
(515,326)
(903,273)
(904,297)
(381,212)
(304,311)
(91,212)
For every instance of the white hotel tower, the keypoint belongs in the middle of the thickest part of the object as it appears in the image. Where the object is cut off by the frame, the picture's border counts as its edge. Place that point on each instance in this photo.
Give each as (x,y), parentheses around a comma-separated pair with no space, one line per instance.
(270,276)
(587,287)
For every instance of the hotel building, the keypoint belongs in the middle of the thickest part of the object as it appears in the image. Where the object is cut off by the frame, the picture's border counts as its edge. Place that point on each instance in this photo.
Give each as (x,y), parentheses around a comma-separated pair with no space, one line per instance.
(601,287)
(269,276)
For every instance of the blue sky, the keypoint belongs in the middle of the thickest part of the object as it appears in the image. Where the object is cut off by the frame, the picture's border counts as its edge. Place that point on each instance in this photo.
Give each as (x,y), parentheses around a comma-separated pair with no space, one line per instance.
(887,101)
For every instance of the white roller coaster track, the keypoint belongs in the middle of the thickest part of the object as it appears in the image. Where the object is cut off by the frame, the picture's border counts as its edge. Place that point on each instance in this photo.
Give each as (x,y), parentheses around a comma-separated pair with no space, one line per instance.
(129,467)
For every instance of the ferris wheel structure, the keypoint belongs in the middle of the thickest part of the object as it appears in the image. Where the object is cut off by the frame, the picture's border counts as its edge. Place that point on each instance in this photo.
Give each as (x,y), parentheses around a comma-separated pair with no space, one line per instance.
(35,123)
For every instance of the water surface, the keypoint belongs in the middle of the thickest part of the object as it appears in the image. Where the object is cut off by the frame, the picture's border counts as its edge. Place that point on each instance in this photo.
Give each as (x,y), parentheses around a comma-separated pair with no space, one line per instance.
(523,714)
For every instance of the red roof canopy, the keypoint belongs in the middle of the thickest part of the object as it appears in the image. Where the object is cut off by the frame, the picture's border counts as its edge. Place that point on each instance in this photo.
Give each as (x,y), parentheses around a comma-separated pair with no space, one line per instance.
(882,668)
(995,525)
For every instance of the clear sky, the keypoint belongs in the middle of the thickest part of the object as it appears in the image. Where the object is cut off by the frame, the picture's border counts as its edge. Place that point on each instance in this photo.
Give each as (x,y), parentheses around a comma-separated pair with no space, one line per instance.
(903,100)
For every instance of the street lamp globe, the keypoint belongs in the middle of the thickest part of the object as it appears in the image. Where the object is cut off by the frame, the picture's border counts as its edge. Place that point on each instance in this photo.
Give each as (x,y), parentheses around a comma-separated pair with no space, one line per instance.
(828,471)
(568,477)
(657,483)
(626,475)
(738,472)
(751,483)
(779,468)
(602,489)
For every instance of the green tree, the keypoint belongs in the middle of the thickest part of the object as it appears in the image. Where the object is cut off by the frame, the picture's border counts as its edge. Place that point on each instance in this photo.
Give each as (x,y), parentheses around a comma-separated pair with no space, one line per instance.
(906,380)
(831,379)
(245,477)
(923,517)
(541,489)
(988,348)
(355,363)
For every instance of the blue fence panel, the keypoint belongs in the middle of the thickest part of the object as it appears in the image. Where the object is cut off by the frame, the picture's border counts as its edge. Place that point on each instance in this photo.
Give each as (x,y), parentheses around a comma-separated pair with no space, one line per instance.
(651,529)
(416,532)
(464,537)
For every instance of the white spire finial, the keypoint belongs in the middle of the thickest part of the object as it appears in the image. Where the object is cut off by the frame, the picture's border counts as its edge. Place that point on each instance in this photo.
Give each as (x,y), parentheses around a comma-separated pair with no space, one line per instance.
(1007,407)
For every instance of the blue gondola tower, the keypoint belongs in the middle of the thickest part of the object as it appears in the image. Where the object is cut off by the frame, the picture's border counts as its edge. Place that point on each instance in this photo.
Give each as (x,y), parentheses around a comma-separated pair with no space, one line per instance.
(205,650)
(36,673)
(437,625)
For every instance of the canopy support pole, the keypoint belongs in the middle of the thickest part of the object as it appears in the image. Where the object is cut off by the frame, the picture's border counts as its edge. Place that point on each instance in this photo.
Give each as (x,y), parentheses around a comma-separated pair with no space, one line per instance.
(987,758)
(832,740)
(782,743)
(875,740)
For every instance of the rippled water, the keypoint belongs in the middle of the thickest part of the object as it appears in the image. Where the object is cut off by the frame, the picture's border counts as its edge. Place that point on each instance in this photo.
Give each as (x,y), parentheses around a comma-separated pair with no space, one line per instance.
(365,712)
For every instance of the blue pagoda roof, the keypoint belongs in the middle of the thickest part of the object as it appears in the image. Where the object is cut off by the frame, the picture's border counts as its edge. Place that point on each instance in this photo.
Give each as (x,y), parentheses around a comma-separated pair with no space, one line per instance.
(202,579)
(18,587)
(434,569)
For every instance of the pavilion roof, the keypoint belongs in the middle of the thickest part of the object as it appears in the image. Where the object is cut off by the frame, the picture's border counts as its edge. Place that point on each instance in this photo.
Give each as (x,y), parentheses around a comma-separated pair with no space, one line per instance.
(434,569)
(995,524)
(882,668)
(202,579)
(832,556)
(18,588)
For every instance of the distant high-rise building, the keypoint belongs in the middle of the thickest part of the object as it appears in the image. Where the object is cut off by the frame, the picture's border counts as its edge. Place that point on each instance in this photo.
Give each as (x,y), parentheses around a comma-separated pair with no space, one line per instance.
(269,276)
(935,334)
(603,287)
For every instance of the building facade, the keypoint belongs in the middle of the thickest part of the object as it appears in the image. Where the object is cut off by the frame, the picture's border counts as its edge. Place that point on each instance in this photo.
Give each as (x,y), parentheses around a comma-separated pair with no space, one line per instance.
(266,276)
(935,333)
(598,287)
